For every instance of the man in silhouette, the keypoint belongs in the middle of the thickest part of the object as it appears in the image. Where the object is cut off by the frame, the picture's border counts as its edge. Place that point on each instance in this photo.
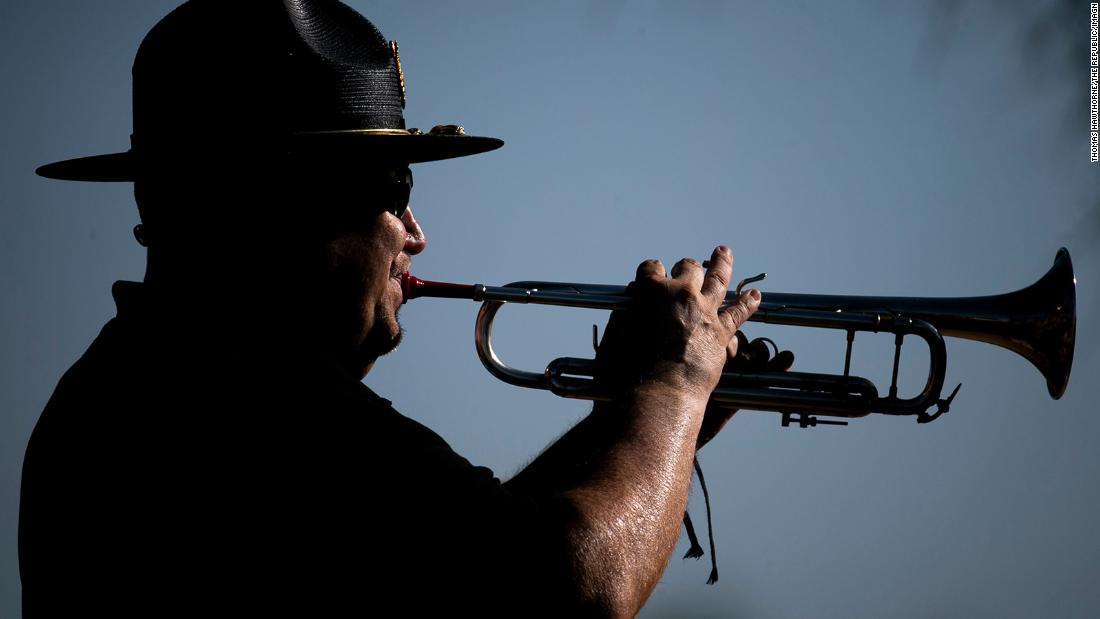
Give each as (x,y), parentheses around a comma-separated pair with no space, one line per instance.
(215,450)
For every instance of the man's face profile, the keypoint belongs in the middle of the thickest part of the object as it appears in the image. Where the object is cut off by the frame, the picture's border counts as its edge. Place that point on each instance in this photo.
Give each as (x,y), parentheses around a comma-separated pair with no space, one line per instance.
(330,238)
(375,236)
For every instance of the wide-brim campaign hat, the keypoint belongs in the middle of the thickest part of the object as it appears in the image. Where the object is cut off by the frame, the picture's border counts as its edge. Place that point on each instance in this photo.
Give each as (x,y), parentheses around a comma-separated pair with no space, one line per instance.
(223,81)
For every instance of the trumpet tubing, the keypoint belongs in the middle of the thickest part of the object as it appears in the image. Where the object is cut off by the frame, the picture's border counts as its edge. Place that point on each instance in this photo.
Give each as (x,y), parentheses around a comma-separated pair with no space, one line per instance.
(1037,322)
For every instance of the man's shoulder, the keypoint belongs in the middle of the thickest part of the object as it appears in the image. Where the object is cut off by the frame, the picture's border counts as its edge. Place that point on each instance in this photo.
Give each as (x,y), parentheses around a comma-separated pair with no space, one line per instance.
(141,364)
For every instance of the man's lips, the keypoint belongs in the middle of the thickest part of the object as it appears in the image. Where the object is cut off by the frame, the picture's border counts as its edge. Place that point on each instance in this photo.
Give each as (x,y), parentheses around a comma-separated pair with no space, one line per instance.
(398,279)
(400,266)
(399,270)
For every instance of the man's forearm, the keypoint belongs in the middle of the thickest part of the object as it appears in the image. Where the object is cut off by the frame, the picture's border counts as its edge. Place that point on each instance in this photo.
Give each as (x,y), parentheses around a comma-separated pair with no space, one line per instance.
(622,475)
(624,471)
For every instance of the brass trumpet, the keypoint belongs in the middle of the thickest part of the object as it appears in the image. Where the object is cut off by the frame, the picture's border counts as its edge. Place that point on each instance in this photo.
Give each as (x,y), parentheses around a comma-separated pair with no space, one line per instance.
(1037,322)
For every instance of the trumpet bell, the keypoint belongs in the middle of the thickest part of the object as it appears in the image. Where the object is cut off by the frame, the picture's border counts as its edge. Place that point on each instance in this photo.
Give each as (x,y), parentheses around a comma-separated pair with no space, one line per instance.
(1040,323)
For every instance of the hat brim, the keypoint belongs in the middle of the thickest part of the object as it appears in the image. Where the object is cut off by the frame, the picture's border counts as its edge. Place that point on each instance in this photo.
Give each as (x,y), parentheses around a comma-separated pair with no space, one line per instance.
(122,167)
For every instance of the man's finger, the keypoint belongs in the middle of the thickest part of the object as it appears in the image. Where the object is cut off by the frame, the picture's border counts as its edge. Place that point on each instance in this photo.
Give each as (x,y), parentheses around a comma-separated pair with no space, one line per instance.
(738,313)
(782,361)
(690,270)
(734,348)
(756,354)
(716,282)
(650,269)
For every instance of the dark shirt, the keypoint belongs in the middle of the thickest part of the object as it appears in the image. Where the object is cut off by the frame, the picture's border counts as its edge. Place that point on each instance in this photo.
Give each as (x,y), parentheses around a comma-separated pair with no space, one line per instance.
(187,464)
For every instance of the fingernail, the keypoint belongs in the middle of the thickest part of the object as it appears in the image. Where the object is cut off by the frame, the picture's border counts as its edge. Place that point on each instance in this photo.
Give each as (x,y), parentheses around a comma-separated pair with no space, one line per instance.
(755,294)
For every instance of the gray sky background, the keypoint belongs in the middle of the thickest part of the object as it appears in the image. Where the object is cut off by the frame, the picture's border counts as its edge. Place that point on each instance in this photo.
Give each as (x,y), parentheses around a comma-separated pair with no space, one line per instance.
(934,149)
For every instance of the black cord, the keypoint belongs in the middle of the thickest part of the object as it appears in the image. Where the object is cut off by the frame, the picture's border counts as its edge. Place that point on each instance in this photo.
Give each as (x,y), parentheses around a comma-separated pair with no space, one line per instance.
(710,528)
(696,550)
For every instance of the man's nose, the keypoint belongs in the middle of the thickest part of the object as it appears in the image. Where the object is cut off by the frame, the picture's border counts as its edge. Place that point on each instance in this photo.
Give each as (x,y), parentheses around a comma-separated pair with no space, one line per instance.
(415,241)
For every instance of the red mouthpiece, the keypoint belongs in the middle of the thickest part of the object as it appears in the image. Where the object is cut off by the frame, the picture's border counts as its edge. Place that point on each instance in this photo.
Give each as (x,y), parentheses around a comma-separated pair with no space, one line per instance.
(413,287)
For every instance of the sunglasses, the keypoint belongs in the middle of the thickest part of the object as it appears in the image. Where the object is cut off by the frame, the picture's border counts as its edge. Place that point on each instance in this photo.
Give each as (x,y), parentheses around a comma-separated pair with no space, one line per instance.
(393,191)
(348,190)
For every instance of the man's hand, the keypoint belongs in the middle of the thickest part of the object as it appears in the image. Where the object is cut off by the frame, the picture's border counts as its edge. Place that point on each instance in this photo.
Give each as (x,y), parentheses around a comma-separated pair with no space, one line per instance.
(677,335)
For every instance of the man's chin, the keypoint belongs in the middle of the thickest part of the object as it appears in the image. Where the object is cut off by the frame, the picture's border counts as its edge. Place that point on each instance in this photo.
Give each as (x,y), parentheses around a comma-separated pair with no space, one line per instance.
(389,343)
(378,344)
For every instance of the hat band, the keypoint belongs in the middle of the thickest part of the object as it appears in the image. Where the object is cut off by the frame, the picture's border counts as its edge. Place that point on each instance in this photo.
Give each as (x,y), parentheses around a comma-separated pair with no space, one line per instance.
(359,131)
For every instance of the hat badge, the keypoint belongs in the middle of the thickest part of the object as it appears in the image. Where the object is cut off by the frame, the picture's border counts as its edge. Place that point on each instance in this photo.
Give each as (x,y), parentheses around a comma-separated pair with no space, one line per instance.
(400,70)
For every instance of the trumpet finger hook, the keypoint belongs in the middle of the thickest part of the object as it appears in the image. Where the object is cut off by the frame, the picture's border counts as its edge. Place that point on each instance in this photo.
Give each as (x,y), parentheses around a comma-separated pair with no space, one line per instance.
(748,280)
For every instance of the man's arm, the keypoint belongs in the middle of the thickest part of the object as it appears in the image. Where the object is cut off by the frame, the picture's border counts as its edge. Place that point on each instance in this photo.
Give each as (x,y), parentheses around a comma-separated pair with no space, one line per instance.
(624,471)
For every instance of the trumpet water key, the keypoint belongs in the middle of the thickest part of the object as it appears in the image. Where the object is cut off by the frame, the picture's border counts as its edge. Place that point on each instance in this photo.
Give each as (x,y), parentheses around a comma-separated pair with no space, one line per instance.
(1037,322)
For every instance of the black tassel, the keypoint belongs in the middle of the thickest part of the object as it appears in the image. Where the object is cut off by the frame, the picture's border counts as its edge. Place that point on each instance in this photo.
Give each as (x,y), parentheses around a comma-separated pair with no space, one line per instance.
(696,550)
(710,529)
